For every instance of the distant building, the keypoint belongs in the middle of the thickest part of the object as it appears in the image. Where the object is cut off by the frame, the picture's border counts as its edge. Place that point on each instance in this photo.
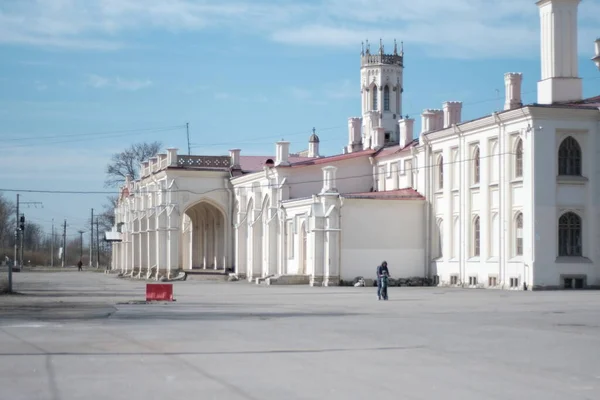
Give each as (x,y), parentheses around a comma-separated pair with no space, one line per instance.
(508,200)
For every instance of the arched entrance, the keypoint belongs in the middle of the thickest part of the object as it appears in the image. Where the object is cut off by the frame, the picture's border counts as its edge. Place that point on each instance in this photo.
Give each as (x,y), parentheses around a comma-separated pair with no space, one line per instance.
(204,237)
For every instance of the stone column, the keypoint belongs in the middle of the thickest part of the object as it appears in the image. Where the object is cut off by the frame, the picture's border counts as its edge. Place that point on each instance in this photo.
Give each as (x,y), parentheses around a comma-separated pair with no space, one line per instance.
(241,238)
(204,228)
(332,243)
(316,240)
(215,243)
(173,234)
(271,237)
(161,245)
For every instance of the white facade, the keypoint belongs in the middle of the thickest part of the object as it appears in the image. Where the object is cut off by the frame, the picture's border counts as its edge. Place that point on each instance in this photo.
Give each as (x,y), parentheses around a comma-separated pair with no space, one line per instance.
(509,200)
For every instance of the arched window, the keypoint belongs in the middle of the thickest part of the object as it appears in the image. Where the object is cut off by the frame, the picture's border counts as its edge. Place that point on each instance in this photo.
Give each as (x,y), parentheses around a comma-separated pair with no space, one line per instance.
(519,159)
(441,172)
(375,98)
(476,237)
(519,234)
(569,235)
(386,98)
(569,157)
(476,166)
(440,239)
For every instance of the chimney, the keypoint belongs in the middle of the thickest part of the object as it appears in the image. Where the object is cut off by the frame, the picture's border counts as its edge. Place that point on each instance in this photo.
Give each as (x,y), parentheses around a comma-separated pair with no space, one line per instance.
(406,131)
(235,158)
(512,84)
(354,134)
(153,164)
(428,120)
(172,157)
(596,59)
(313,145)
(439,120)
(378,137)
(329,184)
(144,168)
(560,81)
(452,113)
(283,150)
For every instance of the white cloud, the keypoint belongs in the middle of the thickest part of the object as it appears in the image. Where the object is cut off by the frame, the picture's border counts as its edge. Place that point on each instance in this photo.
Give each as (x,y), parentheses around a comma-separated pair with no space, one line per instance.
(300,93)
(119,83)
(457,28)
(40,86)
(227,96)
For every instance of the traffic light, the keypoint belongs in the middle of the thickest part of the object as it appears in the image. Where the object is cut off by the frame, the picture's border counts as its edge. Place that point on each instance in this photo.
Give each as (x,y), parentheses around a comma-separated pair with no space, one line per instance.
(22,222)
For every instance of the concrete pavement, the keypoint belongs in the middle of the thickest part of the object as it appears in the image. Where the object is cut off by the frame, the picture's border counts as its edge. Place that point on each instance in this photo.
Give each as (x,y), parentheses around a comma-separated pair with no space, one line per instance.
(77,336)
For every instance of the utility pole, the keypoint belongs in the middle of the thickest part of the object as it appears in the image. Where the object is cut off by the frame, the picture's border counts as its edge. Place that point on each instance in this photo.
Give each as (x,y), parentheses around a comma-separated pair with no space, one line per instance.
(64,253)
(10,267)
(187,129)
(97,242)
(22,226)
(91,238)
(52,246)
(80,244)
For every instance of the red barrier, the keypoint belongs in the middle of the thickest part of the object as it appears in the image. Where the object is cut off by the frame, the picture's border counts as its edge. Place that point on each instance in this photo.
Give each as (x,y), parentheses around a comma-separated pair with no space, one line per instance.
(159,292)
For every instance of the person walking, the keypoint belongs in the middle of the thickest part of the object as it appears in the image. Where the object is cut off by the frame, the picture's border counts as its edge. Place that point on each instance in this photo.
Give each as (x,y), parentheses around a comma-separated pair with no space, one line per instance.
(381,270)
(79,266)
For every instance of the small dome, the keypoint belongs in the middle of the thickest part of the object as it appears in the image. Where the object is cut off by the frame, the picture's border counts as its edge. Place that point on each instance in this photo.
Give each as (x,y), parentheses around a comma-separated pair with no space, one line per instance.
(313,138)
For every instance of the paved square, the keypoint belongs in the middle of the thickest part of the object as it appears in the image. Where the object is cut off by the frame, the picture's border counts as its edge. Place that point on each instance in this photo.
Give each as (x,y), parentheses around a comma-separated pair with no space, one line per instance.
(72,336)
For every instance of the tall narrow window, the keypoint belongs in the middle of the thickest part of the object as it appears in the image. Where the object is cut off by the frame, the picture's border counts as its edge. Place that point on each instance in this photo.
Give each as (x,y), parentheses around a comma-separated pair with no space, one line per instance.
(569,157)
(476,166)
(569,235)
(375,98)
(440,239)
(441,172)
(519,234)
(386,98)
(519,159)
(476,237)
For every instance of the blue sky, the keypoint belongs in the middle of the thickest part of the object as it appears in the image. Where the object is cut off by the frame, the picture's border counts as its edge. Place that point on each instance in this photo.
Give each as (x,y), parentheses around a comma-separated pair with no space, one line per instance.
(243,73)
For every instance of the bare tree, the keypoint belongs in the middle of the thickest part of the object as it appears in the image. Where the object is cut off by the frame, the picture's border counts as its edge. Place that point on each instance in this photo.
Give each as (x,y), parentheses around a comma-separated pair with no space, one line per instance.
(7,220)
(106,218)
(127,162)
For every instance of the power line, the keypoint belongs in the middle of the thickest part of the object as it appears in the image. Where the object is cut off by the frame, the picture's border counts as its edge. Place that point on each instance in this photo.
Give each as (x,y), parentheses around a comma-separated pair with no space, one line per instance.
(411,169)
(20,138)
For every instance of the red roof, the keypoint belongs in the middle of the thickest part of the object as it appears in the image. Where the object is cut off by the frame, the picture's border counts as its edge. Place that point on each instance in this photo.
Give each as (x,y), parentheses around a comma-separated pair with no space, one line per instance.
(592,102)
(330,159)
(400,194)
(256,163)
(388,151)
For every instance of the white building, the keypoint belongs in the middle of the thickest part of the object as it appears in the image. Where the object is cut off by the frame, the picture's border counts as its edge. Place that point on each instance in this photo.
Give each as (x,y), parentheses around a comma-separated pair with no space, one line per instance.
(508,200)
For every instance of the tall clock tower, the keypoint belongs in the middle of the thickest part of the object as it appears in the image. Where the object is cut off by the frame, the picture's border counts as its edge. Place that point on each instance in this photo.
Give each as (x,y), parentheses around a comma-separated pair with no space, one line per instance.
(381,95)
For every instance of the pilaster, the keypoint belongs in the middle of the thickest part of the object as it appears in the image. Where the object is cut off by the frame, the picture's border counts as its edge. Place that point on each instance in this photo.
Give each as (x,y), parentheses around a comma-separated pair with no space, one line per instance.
(317,240)
(484,195)
(173,235)
(241,238)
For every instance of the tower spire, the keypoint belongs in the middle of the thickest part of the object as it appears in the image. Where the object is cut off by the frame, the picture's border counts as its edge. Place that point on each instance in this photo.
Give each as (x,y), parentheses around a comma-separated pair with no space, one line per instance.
(380,46)
(362,48)
(395,48)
